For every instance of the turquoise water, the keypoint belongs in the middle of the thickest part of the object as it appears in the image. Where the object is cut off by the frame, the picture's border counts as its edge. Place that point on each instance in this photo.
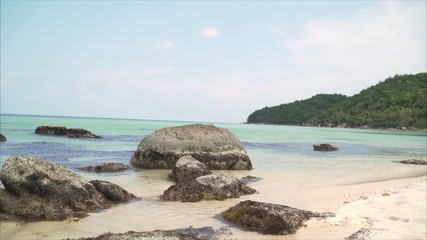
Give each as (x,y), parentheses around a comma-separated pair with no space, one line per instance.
(289,172)
(269,146)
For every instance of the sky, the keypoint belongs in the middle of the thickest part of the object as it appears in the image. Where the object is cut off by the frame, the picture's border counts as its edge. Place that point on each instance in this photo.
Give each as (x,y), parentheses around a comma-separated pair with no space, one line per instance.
(208,61)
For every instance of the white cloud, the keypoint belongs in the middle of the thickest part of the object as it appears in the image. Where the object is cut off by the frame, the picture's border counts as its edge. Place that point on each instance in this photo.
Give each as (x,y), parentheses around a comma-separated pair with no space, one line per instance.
(50,88)
(210,32)
(125,79)
(387,39)
(162,47)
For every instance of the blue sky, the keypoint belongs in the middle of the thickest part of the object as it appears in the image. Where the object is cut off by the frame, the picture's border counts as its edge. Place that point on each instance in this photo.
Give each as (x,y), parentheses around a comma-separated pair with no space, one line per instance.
(214,61)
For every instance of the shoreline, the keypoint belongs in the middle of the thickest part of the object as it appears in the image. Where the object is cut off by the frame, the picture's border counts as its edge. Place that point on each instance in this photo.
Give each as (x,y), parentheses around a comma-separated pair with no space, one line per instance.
(402,129)
(151,213)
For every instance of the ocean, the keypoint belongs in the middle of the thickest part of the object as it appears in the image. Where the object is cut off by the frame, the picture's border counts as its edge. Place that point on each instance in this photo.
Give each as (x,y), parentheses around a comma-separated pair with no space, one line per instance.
(283,158)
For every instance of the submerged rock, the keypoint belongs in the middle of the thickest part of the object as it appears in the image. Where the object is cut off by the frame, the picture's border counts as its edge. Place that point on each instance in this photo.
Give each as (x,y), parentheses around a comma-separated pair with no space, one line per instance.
(187,168)
(2,138)
(268,218)
(63,131)
(37,189)
(181,234)
(112,191)
(209,187)
(324,147)
(215,147)
(414,161)
(106,167)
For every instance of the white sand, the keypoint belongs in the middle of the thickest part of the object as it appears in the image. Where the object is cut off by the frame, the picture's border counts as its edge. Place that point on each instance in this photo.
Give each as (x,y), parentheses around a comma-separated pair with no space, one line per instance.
(396,213)
(392,209)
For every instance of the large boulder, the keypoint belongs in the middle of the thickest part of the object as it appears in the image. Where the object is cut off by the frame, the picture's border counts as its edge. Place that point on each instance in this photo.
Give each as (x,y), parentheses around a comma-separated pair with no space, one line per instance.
(215,147)
(63,131)
(2,138)
(209,187)
(41,184)
(324,147)
(187,168)
(268,218)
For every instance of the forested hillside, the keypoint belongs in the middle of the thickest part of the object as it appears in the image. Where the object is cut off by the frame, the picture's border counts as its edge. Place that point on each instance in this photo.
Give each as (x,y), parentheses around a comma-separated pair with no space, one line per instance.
(400,101)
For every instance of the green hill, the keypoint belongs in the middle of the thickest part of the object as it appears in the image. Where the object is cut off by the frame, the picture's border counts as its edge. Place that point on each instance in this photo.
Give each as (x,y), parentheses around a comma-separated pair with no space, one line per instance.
(400,101)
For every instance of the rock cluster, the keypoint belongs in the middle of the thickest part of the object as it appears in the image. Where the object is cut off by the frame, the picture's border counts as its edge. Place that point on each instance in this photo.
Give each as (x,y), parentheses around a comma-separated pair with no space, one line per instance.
(187,168)
(37,189)
(195,183)
(268,218)
(209,187)
(106,168)
(215,147)
(2,138)
(63,131)
(324,147)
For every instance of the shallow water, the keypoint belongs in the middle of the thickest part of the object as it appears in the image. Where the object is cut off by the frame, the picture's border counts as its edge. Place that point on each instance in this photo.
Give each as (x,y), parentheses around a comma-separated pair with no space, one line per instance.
(285,165)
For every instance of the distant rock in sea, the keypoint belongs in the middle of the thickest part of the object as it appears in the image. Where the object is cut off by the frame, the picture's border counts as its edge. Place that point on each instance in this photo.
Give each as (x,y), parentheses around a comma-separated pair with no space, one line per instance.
(268,218)
(324,147)
(63,131)
(2,138)
(215,147)
(37,189)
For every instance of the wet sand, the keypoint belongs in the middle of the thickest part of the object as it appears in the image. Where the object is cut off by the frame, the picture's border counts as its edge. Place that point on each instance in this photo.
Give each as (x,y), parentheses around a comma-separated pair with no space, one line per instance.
(389,209)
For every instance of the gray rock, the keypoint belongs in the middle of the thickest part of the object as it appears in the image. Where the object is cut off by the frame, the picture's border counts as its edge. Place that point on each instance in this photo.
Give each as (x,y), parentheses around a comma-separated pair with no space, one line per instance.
(190,233)
(187,168)
(324,147)
(2,138)
(414,161)
(80,133)
(215,147)
(35,186)
(52,130)
(112,191)
(209,187)
(268,218)
(106,167)
(63,131)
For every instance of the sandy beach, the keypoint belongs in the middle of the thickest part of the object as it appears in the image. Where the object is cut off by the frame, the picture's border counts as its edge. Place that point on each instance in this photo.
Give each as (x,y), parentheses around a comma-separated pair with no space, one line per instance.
(391,209)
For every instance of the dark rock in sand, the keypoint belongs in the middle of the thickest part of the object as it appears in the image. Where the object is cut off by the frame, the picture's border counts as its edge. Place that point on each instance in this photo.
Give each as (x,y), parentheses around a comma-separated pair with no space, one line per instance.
(414,161)
(215,147)
(190,233)
(209,187)
(2,138)
(52,130)
(112,191)
(188,168)
(37,189)
(106,167)
(268,218)
(63,131)
(324,147)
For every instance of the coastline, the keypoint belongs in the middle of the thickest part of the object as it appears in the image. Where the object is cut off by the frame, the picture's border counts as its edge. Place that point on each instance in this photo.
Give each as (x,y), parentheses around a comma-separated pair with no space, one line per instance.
(385,208)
